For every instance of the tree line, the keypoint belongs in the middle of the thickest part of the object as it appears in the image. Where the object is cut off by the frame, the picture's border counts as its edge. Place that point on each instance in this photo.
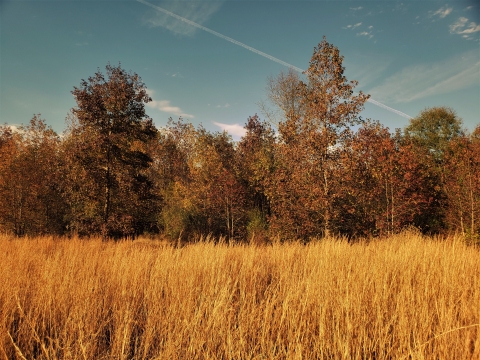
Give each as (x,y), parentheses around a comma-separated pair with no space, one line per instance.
(319,170)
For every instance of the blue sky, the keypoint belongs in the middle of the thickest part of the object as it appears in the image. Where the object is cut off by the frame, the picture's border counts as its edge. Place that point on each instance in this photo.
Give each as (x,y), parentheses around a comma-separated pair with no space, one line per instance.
(408,55)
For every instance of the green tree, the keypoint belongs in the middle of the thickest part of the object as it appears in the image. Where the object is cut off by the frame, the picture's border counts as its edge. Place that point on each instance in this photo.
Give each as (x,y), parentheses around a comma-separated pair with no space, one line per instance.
(108,145)
(431,133)
(433,129)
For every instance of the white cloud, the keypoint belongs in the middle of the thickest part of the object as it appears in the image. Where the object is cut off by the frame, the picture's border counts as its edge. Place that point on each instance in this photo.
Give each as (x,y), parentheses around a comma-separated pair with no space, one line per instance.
(13,127)
(357,8)
(365,33)
(222,106)
(235,130)
(165,106)
(419,81)
(460,27)
(442,12)
(352,26)
(196,11)
(177,75)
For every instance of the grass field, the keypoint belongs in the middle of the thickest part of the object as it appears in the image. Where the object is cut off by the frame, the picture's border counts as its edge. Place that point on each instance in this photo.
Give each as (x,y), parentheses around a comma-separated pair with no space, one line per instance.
(405,297)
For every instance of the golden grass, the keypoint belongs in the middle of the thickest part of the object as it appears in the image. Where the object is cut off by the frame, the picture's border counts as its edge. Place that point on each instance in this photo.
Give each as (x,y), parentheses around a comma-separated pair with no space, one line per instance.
(399,298)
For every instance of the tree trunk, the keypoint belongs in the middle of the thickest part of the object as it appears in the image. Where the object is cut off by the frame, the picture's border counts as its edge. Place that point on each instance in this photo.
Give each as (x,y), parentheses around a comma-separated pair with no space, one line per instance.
(106,206)
(327,203)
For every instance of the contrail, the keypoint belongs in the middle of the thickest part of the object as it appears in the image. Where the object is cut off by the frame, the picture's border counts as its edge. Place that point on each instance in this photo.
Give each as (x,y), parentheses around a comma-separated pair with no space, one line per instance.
(261,53)
(221,36)
(379,104)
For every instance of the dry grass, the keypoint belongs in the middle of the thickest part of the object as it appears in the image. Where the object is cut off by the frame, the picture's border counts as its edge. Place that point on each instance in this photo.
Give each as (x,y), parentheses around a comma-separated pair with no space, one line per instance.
(400,298)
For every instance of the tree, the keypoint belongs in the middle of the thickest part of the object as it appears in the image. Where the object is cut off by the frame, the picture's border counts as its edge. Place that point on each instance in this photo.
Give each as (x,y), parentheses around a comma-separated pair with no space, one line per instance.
(462,183)
(215,190)
(431,133)
(172,178)
(310,141)
(30,180)
(384,182)
(433,129)
(255,165)
(108,145)
(283,93)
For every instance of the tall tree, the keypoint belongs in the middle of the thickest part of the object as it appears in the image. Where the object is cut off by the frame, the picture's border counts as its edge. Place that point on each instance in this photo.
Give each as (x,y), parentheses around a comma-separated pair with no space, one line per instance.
(310,141)
(433,129)
(255,165)
(215,189)
(384,182)
(462,183)
(172,178)
(30,180)
(283,93)
(430,134)
(108,142)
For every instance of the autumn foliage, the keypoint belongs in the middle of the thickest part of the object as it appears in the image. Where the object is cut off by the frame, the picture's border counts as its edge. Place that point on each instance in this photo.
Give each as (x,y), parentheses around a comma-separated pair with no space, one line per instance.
(316,169)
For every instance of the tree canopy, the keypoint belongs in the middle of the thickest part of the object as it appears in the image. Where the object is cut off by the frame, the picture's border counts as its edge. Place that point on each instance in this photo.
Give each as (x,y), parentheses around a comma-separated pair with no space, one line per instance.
(314,169)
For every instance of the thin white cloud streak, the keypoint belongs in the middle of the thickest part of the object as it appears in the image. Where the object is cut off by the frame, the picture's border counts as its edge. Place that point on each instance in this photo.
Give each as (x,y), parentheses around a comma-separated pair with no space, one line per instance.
(261,53)
(233,129)
(198,11)
(367,68)
(420,81)
(233,41)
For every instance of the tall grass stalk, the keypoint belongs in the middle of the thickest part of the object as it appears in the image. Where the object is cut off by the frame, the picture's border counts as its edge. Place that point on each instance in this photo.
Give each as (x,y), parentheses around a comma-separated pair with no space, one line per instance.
(402,297)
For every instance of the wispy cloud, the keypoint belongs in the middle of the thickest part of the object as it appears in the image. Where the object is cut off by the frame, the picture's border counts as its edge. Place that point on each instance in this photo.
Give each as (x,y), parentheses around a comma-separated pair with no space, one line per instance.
(462,27)
(367,68)
(353,26)
(235,130)
(356,8)
(416,82)
(368,33)
(365,33)
(165,106)
(223,106)
(175,75)
(442,12)
(196,11)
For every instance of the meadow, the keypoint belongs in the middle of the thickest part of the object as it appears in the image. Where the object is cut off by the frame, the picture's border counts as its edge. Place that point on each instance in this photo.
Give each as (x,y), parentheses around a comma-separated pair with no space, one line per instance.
(402,297)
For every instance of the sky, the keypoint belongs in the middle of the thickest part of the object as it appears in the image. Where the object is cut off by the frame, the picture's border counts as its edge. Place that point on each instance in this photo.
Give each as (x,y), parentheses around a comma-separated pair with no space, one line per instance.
(209,62)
